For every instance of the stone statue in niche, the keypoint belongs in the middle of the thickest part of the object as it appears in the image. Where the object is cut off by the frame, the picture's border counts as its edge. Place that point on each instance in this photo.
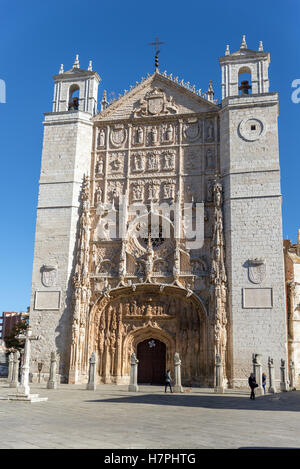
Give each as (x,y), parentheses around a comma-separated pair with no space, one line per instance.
(153,161)
(153,191)
(138,162)
(140,135)
(169,133)
(98,196)
(209,160)
(137,192)
(101,139)
(99,166)
(154,136)
(209,131)
(169,190)
(169,160)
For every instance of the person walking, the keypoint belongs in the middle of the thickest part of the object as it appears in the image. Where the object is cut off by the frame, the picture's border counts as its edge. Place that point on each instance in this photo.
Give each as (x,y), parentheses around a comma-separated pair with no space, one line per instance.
(264,381)
(252,384)
(168,381)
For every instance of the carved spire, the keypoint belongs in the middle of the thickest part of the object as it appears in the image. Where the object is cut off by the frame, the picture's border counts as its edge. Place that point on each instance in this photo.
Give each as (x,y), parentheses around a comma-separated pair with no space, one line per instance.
(61,70)
(104,102)
(90,67)
(210,91)
(76,63)
(260,47)
(227,51)
(243,45)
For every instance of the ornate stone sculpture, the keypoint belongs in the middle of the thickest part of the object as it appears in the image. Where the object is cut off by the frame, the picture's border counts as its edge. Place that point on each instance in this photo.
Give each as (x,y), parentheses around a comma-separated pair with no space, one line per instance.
(218,279)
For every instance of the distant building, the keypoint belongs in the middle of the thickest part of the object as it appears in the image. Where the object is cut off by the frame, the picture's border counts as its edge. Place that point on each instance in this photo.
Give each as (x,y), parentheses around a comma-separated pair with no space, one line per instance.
(292,282)
(9,320)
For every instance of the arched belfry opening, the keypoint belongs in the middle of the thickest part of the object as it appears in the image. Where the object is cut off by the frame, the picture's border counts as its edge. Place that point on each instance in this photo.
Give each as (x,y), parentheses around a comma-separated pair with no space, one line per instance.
(245,81)
(73,98)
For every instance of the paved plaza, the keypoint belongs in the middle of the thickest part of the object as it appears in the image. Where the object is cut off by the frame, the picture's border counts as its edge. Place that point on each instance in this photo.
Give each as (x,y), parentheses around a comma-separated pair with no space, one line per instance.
(113,418)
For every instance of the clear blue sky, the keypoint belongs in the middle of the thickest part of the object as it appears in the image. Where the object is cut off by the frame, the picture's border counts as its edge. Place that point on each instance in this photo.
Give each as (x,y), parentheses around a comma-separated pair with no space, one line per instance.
(37,36)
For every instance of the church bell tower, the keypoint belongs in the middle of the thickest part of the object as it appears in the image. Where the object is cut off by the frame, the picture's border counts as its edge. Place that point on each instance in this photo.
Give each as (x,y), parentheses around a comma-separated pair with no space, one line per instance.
(66,157)
(252,211)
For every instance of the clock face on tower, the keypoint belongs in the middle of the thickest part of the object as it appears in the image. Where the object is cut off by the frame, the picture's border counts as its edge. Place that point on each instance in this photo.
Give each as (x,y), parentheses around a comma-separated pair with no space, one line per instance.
(251,129)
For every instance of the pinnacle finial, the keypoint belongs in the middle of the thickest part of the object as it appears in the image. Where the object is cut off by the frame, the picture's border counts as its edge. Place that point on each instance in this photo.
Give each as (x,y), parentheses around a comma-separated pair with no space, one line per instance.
(243,45)
(260,47)
(210,91)
(90,67)
(227,51)
(76,63)
(104,102)
(61,70)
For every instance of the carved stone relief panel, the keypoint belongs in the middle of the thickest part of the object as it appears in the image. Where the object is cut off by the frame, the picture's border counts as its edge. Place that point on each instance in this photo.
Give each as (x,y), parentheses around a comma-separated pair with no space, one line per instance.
(114,190)
(137,191)
(105,259)
(193,189)
(192,159)
(138,161)
(116,162)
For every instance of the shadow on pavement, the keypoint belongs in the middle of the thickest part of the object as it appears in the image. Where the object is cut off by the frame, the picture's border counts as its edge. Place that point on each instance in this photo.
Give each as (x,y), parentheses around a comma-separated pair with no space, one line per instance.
(288,402)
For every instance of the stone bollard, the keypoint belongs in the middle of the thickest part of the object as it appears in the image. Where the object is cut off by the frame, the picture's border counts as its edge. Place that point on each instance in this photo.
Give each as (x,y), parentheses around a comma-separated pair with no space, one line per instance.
(219,375)
(133,386)
(257,367)
(10,367)
(15,372)
(283,380)
(91,385)
(177,367)
(292,376)
(52,381)
(272,388)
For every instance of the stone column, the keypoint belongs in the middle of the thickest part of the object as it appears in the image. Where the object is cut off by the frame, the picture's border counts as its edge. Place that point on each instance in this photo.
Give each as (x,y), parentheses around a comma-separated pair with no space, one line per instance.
(292,376)
(177,367)
(219,375)
(272,388)
(257,367)
(91,385)
(15,373)
(283,378)
(133,386)
(10,367)
(52,381)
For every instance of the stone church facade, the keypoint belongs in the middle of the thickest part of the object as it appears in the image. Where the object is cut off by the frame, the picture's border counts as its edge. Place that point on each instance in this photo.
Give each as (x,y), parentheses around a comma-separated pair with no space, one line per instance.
(292,284)
(106,281)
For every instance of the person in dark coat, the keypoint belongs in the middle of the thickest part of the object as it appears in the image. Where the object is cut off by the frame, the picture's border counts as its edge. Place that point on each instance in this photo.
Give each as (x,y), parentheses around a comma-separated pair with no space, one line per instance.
(252,384)
(168,381)
(264,381)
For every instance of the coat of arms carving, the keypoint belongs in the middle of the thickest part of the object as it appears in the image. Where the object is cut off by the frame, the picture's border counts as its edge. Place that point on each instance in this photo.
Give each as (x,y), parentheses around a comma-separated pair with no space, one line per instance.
(49,273)
(192,130)
(118,135)
(257,270)
(155,103)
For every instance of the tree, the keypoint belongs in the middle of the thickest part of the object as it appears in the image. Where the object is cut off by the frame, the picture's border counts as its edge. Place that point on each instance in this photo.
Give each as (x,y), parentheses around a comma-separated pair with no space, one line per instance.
(11,340)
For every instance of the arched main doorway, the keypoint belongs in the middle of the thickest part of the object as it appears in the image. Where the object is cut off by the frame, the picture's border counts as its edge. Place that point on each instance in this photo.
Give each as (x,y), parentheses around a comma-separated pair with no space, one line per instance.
(151,354)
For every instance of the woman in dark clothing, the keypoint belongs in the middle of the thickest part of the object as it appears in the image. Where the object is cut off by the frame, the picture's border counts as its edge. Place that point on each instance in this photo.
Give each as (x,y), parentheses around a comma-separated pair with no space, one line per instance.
(168,381)
(252,384)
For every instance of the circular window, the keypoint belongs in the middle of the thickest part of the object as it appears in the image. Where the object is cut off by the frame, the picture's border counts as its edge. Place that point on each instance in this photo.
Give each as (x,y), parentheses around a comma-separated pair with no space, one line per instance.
(251,129)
